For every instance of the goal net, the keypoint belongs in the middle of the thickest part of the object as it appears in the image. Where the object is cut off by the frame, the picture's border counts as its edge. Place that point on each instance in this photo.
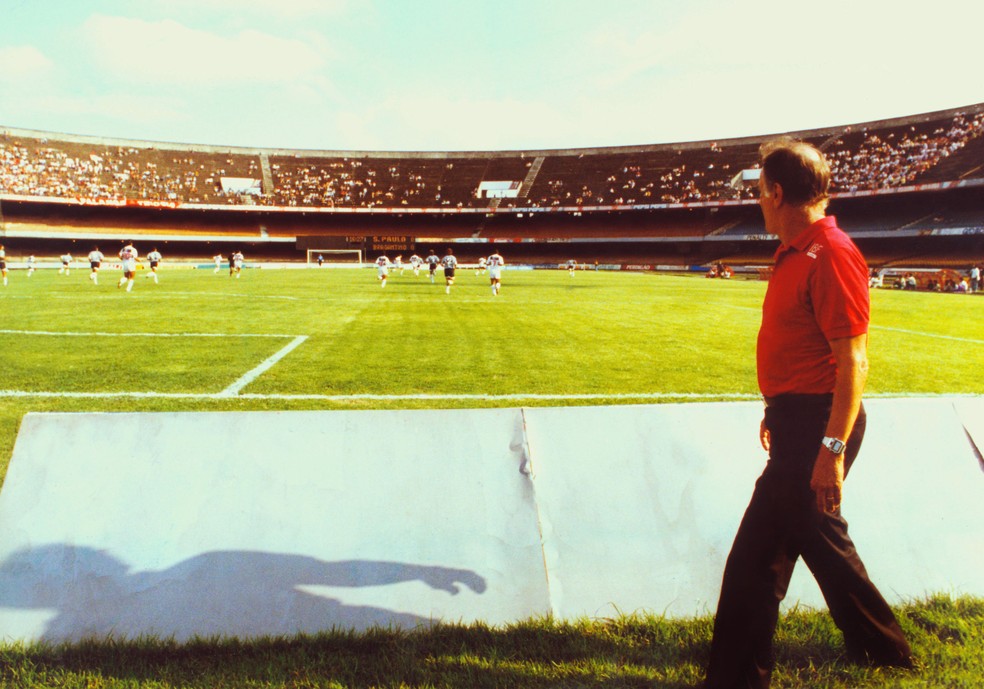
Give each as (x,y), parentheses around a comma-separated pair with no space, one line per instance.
(345,257)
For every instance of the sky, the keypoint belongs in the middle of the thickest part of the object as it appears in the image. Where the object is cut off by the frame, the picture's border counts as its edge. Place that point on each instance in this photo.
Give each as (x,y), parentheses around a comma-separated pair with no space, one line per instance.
(477,75)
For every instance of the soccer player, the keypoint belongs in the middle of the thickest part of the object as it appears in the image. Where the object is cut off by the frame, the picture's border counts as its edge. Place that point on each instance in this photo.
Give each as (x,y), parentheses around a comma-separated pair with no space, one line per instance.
(382,269)
(30,265)
(95,261)
(218,262)
(66,260)
(398,263)
(495,264)
(155,260)
(415,263)
(128,255)
(3,264)
(481,266)
(450,263)
(432,262)
(571,267)
(236,264)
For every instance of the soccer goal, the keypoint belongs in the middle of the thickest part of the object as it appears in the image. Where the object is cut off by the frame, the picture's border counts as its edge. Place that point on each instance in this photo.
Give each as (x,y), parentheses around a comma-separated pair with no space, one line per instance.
(337,257)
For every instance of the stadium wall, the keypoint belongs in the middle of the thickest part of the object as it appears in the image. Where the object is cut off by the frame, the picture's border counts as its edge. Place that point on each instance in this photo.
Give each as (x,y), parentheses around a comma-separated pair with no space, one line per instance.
(944,229)
(272,523)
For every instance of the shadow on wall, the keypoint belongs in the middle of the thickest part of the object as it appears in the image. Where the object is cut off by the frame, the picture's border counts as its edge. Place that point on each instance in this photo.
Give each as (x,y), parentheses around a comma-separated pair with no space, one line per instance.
(221,593)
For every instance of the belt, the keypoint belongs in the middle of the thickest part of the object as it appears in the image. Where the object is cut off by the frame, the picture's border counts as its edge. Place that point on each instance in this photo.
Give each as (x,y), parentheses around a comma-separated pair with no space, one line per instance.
(794,399)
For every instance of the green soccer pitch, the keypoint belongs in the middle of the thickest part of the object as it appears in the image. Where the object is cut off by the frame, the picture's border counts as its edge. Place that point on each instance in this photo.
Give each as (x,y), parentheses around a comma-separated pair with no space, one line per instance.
(334,339)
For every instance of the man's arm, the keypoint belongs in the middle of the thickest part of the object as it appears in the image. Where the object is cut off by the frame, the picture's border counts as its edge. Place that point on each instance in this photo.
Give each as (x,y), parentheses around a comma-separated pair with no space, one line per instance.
(851,356)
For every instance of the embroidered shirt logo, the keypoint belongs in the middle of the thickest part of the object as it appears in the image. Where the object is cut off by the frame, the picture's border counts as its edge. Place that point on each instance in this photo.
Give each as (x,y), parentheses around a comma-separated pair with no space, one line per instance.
(814,250)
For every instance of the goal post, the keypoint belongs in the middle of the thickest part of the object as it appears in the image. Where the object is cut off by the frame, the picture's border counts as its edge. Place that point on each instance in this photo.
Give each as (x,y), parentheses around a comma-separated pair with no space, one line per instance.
(346,257)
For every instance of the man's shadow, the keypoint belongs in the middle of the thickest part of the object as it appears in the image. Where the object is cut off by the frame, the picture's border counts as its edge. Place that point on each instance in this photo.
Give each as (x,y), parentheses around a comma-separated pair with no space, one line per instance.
(215,594)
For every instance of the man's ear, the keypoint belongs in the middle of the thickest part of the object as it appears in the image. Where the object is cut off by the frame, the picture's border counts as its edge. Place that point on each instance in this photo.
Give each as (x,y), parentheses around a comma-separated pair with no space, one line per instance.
(777,194)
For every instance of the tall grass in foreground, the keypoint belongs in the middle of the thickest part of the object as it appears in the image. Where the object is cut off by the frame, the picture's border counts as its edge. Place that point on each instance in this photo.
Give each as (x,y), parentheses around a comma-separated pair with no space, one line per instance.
(631,651)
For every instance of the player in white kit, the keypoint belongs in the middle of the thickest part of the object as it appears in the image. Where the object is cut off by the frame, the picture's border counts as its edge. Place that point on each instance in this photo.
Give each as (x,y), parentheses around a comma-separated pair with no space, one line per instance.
(128,256)
(382,269)
(495,264)
(155,260)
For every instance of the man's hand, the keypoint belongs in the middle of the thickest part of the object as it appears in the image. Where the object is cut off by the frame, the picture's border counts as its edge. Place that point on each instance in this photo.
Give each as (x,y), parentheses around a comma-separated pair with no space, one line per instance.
(764,437)
(828,480)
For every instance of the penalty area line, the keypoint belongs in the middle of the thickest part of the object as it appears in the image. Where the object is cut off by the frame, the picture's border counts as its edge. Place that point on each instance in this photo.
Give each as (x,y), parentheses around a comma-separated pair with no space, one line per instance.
(250,376)
(53,333)
(693,396)
(228,393)
(920,333)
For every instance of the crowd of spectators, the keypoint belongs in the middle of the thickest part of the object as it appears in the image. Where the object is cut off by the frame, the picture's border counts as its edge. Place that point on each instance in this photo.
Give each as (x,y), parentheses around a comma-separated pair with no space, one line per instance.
(878,159)
(60,169)
(874,157)
(361,182)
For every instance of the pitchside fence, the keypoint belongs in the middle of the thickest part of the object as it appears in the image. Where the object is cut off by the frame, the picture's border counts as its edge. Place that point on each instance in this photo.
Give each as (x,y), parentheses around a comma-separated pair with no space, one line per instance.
(253,524)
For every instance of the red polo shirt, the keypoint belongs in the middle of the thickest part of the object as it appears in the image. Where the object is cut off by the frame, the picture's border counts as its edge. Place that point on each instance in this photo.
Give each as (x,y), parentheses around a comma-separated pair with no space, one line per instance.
(818,292)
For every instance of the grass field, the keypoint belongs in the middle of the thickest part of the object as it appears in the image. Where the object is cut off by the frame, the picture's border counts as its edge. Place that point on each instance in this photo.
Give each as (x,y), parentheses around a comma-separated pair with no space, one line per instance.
(333,339)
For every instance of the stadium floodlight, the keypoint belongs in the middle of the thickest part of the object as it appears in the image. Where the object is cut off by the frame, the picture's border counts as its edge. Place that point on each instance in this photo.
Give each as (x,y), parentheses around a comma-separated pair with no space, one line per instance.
(340,258)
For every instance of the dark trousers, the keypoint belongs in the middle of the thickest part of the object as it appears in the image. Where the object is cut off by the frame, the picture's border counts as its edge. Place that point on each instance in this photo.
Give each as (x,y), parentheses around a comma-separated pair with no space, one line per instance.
(781,524)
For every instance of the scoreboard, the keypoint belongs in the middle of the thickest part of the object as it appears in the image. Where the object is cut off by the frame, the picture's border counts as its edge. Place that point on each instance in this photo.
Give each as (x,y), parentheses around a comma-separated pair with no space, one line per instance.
(369,244)
(398,243)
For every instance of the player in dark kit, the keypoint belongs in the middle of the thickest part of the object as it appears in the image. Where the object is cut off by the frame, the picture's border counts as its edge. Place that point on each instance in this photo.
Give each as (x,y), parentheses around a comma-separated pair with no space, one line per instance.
(432,262)
(450,263)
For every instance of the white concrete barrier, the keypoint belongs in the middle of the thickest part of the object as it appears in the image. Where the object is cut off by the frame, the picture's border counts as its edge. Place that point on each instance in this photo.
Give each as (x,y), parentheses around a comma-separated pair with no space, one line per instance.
(264,523)
(271,523)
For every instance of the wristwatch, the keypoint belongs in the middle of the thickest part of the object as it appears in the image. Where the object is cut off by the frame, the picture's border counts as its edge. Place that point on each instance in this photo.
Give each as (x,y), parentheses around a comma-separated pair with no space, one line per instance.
(835,445)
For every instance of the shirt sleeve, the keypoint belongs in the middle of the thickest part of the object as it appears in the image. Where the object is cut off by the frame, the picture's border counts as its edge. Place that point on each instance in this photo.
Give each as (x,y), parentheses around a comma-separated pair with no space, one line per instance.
(839,292)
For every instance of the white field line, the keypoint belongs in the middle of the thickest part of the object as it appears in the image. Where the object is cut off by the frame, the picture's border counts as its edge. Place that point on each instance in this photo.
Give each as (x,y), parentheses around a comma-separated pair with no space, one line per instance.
(230,391)
(691,396)
(904,331)
(129,334)
(226,394)
(250,376)
(924,334)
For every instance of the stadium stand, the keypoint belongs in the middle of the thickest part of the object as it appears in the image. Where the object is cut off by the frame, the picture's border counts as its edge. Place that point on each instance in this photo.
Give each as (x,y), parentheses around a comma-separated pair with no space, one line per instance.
(895,181)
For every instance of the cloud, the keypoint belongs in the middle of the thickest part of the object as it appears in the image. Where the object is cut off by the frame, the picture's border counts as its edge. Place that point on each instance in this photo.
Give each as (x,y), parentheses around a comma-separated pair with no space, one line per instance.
(133,109)
(23,64)
(167,52)
(290,9)
(421,120)
(112,115)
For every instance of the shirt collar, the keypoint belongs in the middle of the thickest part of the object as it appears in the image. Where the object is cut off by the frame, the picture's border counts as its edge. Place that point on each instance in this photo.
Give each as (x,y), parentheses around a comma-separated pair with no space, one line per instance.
(805,238)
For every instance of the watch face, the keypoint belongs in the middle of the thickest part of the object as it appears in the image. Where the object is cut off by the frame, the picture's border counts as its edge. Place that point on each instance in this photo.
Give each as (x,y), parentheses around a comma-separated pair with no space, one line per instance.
(834,445)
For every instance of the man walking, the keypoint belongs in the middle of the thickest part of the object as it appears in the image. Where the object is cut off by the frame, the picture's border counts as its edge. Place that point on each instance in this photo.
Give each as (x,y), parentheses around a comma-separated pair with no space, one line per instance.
(812,368)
